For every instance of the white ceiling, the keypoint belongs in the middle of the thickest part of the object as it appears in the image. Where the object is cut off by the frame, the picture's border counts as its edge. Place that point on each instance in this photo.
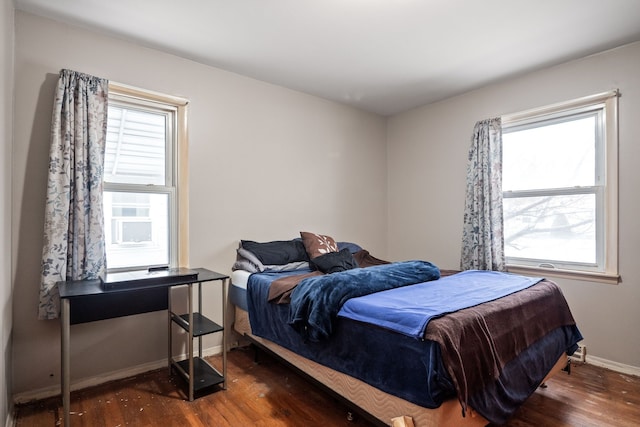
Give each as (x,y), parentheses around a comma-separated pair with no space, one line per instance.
(384,56)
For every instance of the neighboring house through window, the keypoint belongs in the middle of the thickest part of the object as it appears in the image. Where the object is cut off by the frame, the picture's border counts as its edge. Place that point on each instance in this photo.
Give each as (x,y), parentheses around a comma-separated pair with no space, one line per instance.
(145,189)
(560,187)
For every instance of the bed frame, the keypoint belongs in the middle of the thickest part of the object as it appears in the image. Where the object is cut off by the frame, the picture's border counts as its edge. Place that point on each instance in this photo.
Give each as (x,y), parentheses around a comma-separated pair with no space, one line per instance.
(369,402)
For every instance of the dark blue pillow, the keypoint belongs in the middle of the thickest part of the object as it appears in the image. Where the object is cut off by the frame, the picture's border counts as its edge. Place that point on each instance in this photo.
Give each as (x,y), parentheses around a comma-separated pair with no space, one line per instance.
(334,262)
(353,247)
(278,252)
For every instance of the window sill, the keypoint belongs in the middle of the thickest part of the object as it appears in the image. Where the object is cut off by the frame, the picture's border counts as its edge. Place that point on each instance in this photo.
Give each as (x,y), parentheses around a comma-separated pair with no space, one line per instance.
(607,278)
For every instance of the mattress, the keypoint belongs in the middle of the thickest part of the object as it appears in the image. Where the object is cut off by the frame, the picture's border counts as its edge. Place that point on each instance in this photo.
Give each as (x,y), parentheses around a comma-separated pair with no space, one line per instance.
(238,288)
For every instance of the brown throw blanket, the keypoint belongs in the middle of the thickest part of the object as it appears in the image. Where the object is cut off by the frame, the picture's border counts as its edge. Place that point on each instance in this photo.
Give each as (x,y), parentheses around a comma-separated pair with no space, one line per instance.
(479,341)
(280,289)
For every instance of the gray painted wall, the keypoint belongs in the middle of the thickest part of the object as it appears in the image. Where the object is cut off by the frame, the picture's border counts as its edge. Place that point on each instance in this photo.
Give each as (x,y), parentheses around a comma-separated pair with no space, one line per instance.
(265,163)
(427,154)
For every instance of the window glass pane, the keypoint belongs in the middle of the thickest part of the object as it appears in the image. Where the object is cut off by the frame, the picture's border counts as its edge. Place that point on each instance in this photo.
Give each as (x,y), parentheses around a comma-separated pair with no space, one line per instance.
(136,229)
(553,228)
(560,155)
(135,148)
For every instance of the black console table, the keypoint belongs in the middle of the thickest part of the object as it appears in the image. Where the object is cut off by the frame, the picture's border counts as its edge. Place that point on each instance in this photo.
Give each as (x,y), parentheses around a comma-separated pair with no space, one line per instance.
(85,301)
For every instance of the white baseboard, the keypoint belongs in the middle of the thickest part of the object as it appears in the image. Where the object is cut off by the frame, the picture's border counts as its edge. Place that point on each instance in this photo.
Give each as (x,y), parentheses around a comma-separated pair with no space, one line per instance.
(80,384)
(614,366)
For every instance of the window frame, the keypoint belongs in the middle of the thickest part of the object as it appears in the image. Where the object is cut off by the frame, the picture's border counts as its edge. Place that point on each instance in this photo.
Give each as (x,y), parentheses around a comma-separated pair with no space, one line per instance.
(176,173)
(607,188)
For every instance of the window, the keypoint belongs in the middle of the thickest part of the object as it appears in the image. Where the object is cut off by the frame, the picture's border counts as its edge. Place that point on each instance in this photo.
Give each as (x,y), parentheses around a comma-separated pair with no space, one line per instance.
(560,187)
(144,195)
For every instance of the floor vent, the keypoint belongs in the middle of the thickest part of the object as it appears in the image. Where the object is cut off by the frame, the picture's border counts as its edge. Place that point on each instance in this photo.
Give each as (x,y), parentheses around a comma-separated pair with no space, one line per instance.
(580,355)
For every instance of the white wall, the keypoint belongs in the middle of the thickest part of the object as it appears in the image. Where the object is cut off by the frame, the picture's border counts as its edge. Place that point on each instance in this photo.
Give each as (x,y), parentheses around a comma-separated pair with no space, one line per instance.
(427,150)
(265,163)
(6,108)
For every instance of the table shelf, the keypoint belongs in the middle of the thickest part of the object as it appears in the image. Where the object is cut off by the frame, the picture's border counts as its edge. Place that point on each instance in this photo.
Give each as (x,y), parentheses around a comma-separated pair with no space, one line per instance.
(205,375)
(202,325)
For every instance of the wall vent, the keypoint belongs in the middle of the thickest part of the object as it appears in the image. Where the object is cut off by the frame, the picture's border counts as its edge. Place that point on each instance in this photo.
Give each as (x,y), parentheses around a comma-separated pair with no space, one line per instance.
(580,355)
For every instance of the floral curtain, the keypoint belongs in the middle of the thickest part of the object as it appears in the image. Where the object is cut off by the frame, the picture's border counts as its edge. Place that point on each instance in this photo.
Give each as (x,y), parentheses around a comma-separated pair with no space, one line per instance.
(74,247)
(482,235)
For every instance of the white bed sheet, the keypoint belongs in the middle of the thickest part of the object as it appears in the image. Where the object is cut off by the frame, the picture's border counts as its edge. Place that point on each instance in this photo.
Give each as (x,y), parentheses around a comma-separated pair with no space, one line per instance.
(240,278)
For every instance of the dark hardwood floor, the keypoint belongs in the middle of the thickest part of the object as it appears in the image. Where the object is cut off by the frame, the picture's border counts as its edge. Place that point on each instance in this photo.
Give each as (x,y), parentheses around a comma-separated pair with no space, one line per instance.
(270,394)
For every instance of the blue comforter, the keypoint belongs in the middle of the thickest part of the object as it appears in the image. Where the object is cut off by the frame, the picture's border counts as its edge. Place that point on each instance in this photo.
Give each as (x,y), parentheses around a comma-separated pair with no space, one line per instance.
(315,302)
(409,310)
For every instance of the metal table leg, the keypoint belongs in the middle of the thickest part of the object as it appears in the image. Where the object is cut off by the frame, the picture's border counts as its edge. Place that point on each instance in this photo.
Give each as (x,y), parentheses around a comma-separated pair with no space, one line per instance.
(66,365)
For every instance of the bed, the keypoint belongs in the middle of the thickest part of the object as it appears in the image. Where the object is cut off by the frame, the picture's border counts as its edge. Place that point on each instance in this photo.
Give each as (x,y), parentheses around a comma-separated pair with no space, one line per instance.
(470,363)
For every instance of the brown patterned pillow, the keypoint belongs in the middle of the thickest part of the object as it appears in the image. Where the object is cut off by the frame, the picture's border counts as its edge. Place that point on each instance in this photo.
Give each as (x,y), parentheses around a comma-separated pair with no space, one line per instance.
(318,244)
